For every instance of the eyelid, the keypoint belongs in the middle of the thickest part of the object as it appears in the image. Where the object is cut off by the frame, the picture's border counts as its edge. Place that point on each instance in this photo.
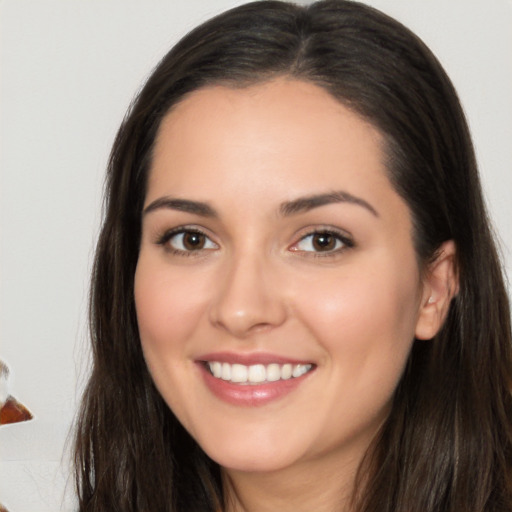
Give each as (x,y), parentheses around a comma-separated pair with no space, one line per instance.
(342,236)
(168,234)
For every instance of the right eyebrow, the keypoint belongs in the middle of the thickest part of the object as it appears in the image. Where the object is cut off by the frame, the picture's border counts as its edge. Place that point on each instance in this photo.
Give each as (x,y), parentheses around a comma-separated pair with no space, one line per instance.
(182,205)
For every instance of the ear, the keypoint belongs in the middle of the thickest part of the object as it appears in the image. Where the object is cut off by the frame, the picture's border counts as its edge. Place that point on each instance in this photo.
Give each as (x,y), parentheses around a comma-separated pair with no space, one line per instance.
(440,285)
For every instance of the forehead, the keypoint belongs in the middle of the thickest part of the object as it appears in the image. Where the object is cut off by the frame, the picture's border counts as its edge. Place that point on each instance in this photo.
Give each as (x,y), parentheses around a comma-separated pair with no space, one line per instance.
(304,107)
(286,129)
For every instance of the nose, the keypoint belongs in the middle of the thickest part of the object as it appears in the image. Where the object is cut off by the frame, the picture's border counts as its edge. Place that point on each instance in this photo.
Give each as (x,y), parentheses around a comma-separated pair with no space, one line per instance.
(249,298)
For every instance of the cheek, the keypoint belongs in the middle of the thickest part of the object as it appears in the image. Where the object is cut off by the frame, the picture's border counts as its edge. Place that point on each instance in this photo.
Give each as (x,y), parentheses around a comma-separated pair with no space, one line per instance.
(365,325)
(366,316)
(167,305)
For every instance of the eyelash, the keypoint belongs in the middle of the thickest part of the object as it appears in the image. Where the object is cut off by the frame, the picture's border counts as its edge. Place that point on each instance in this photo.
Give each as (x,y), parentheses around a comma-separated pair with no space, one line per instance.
(168,236)
(345,241)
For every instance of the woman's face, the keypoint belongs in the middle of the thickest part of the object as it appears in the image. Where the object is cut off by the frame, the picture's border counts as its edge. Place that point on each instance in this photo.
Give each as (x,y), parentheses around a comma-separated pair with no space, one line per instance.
(277,288)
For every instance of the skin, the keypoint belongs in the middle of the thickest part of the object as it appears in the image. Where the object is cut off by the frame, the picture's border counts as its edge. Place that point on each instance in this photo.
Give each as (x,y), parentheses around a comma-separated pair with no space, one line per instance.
(259,285)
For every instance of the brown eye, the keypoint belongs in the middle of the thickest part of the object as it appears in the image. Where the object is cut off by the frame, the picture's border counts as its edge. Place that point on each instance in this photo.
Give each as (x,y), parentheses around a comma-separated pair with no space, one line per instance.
(189,241)
(193,241)
(323,241)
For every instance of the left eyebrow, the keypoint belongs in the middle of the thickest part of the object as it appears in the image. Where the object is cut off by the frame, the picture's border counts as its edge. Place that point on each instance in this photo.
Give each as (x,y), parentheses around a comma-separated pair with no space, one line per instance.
(304,204)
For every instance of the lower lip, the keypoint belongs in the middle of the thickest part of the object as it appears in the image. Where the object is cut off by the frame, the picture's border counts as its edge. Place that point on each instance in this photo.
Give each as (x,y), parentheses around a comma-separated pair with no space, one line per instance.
(250,395)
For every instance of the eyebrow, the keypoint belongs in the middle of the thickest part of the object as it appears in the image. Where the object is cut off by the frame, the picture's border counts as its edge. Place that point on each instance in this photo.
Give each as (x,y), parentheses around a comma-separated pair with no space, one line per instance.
(299,205)
(304,204)
(182,205)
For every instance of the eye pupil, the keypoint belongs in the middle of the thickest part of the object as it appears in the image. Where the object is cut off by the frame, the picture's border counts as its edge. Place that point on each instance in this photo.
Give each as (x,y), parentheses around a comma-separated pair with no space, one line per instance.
(193,241)
(324,242)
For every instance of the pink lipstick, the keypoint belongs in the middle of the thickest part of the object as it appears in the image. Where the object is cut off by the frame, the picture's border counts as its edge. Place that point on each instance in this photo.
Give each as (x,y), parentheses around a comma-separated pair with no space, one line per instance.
(252,379)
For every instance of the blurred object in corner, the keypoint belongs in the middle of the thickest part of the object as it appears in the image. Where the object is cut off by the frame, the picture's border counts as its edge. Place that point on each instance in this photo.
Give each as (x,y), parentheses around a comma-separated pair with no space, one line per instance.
(11,411)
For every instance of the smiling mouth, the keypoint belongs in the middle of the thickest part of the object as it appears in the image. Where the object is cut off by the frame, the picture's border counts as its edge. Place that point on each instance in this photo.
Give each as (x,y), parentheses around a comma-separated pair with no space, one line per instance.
(256,373)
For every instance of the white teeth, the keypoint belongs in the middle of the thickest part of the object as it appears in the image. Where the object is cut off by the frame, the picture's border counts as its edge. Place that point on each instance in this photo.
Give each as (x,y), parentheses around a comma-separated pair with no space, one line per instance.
(273,372)
(239,373)
(216,369)
(226,371)
(257,373)
(300,369)
(286,371)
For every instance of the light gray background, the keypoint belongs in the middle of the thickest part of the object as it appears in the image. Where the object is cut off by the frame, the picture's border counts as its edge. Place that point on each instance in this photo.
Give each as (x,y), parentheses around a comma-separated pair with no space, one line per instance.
(68,71)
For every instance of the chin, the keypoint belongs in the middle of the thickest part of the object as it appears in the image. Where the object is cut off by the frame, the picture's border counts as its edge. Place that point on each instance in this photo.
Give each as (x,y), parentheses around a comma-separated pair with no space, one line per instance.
(252,454)
(252,462)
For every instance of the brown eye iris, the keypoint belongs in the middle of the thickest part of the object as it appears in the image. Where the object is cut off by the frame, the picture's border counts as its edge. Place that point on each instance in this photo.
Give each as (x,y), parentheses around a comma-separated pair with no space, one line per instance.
(324,242)
(193,241)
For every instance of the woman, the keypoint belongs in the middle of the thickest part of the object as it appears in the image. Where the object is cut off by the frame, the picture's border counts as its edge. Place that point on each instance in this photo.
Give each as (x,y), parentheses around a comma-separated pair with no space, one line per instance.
(297,302)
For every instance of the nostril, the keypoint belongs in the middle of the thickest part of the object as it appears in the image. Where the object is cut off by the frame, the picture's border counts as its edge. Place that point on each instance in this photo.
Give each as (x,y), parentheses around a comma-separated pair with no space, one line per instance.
(243,313)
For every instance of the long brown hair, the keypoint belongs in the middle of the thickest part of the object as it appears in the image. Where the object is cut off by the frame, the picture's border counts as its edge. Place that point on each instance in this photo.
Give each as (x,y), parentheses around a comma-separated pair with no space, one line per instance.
(446,446)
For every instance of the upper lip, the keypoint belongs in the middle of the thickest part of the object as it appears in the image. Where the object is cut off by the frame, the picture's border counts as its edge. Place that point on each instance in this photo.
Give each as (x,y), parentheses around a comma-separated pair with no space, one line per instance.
(249,359)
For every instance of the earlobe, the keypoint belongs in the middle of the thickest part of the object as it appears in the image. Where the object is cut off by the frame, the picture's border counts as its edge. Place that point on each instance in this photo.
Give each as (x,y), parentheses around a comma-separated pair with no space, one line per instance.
(440,285)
